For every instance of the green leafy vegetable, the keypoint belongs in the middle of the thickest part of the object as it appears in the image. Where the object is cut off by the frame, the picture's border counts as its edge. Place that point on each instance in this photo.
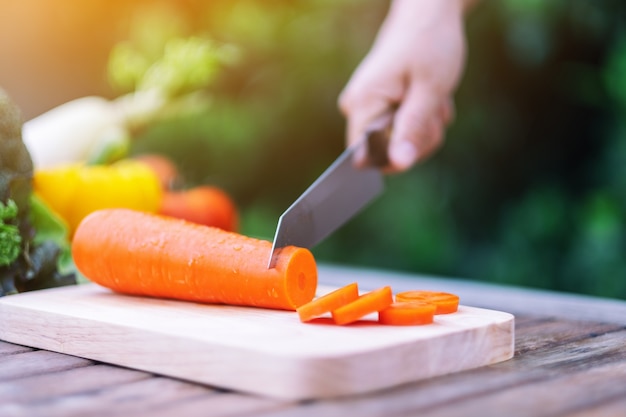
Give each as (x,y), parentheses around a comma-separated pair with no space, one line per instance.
(28,260)
(50,227)
(10,239)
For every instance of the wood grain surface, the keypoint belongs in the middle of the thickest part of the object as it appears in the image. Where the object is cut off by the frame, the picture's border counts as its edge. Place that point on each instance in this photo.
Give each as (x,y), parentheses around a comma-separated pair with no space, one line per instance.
(261,351)
(561,368)
(569,361)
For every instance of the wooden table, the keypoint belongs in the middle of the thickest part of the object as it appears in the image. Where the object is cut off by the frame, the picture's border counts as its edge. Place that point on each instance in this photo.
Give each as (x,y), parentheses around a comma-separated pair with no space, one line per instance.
(570,360)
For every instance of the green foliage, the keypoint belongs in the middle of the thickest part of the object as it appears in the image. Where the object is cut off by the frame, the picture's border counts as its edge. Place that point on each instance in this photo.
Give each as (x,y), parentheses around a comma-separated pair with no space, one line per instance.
(528,188)
(539,142)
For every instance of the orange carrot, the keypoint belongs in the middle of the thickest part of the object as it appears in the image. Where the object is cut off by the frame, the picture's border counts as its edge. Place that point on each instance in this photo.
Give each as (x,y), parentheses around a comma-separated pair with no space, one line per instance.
(146,254)
(367,303)
(407,313)
(446,303)
(328,302)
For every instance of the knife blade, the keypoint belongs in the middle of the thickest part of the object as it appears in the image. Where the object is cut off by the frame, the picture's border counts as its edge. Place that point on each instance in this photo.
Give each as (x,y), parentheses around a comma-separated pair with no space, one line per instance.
(340,192)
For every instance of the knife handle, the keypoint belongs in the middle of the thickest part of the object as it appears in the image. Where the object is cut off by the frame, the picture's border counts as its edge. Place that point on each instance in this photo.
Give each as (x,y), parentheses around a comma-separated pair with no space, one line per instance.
(375,145)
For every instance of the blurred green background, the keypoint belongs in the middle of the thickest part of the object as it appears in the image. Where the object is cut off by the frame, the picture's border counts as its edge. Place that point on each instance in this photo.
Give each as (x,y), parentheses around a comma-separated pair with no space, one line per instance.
(529,188)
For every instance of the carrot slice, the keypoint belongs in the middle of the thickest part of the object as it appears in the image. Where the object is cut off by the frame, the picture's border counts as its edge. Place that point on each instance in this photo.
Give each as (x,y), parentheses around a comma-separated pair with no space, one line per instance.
(407,313)
(367,303)
(145,254)
(328,302)
(446,302)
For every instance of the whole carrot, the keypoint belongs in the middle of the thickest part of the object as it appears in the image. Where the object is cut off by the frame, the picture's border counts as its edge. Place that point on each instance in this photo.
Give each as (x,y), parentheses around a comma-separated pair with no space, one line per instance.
(146,254)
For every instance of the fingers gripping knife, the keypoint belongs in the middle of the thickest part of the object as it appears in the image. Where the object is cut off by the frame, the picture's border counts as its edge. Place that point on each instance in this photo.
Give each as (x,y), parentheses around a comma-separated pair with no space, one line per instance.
(338,194)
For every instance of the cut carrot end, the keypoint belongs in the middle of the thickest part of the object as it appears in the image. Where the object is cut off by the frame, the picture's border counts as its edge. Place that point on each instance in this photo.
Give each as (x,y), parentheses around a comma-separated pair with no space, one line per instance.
(408,313)
(300,275)
(446,302)
(328,302)
(371,302)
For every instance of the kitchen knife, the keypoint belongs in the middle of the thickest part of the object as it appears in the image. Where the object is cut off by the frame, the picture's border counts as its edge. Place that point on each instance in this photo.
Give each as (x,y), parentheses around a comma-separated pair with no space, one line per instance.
(339,193)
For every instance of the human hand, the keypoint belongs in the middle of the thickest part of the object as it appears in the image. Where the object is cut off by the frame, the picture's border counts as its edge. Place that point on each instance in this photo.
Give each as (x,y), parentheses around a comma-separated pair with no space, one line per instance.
(414,67)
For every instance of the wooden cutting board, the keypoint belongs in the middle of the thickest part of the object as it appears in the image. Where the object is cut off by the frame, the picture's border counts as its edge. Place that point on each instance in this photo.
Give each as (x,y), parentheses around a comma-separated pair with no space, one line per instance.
(249,349)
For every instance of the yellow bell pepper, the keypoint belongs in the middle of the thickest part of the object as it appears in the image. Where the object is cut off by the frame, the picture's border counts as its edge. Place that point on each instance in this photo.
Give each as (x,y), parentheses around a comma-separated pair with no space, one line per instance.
(75,190)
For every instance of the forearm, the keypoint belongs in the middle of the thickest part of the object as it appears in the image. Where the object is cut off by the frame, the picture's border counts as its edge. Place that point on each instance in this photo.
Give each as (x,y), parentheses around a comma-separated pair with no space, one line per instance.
(416,11)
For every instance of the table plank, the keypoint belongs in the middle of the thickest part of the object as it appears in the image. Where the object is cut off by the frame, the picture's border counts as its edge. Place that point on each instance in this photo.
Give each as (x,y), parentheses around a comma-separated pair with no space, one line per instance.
(585,353)
(611,408)
(37,362)
(7,348)
(534,334)
(139,397)
(75,381)
(223,405)
(559,396)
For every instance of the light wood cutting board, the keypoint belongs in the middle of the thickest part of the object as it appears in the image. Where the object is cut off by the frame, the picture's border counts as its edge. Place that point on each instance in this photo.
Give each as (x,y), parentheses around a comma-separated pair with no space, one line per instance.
(254,350)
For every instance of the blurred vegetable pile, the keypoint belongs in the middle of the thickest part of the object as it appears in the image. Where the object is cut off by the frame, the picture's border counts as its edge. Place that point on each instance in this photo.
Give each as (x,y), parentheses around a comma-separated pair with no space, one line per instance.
(75,159)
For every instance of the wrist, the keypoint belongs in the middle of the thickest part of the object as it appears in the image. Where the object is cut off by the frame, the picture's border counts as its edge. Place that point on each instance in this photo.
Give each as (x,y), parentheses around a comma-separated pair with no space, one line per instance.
(411,6)
(468,4)
(412,13)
